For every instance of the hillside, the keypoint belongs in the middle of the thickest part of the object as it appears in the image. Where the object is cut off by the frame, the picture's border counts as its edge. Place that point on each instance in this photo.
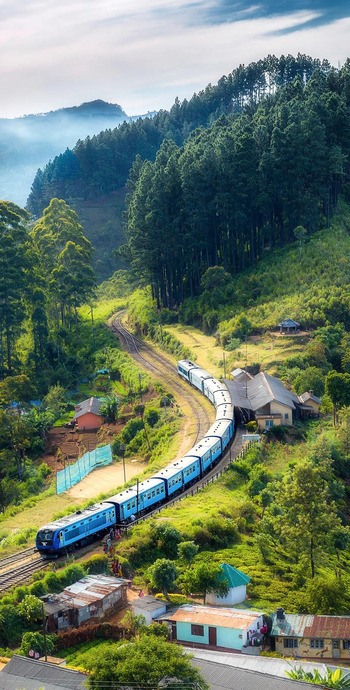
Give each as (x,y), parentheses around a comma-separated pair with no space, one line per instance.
(28,143)
(99,166)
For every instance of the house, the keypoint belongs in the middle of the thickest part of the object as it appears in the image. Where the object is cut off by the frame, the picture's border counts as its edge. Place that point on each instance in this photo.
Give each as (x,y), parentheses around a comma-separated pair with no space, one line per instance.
(92,597)
(311,636)
(21,672)
(88,414)
(237,582)
(266,399)
(310,403)
(288,326)
(149,607)
(223,629)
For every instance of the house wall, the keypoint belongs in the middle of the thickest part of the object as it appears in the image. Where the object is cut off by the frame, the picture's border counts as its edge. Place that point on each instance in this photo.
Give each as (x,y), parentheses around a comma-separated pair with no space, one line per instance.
(314,405)
(235,595)
(230,638)
(304,649)
(262,426)
(277,408)
(89,421)
(149,615)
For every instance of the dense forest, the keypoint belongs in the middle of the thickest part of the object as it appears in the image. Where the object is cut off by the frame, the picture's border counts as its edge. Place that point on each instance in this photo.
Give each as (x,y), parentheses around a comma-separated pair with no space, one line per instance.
(100,164)
(250,182)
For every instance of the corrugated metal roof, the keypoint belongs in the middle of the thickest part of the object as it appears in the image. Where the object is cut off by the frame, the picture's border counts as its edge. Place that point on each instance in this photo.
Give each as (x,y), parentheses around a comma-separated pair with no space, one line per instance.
(220,617)
(263,389)
(20,670)
(309,396)
(237,391)
(298,625)
(91,405)
(220,677)
(89,590)
(149,603)
(293,624)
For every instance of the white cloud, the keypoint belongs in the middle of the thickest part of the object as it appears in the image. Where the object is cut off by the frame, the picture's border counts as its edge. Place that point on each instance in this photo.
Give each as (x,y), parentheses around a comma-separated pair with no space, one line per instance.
(140,55)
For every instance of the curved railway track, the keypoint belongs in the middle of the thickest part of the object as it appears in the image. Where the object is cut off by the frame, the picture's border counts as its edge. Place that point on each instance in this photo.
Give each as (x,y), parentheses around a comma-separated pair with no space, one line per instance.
(160,367)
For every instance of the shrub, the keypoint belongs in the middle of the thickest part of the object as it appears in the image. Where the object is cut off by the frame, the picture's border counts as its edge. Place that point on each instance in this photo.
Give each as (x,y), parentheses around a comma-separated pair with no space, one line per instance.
(97,563)
(36,642)
(152,416)
(252,427)
(104,631)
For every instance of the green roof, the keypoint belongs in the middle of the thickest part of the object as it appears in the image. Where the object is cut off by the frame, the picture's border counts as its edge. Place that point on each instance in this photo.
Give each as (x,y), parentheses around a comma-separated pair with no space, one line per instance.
(234,577)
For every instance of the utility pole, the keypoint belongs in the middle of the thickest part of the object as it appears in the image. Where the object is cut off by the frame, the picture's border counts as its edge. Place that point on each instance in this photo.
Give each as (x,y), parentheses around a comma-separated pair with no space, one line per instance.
(140,388)
(122,448)
(137,498)
(44,630)
(224,358)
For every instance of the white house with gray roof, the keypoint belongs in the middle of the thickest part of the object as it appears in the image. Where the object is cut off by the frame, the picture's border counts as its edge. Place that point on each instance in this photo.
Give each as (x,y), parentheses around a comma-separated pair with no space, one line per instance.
(266,399)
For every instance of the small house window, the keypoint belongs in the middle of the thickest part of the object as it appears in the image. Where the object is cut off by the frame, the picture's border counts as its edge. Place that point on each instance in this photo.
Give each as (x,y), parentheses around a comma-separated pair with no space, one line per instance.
(346,644)
(197,630)
(290,642)
(317,643)
(268,423)
(286,416)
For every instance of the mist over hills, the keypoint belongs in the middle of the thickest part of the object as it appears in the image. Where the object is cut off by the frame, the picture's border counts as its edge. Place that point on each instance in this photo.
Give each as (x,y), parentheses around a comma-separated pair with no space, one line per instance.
(29,142)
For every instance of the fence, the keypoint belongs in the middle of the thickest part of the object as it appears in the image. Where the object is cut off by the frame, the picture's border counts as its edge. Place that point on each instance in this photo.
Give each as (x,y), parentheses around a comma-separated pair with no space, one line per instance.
(73,474)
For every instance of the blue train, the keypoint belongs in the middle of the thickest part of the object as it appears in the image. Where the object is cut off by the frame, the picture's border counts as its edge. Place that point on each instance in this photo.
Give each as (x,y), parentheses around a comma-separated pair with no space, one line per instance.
(80,528)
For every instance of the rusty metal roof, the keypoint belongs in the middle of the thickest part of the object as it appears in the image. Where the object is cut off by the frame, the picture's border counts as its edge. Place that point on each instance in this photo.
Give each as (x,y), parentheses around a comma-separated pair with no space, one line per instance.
(91,589)
(298,625)
(238,619)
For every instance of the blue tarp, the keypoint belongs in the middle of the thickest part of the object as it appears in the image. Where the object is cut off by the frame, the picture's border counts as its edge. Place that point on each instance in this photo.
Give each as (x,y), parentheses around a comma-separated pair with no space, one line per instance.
(73,474)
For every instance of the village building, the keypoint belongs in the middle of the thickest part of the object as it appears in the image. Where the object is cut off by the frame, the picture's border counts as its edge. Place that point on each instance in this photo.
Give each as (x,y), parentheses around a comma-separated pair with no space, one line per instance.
(265,398)
(224,629)
(150,607)
(88,415)
(237,583)
(289,326)
(31,674)
(311,636)
(91,597)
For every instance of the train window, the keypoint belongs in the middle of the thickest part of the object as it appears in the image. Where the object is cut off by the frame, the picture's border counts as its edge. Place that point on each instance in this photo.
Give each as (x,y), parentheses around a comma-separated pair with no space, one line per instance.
(66,530)
(149,495)
(153,493)
(90,519)
(187,473)
(103,513)
(157,490)
(133,503)
(81,523)
(128,506)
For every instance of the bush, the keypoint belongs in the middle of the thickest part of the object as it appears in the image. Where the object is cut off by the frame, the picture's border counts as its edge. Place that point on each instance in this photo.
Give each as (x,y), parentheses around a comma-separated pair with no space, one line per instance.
(152,416)
(103,631)
(97,563)
(252,427)
(36,642)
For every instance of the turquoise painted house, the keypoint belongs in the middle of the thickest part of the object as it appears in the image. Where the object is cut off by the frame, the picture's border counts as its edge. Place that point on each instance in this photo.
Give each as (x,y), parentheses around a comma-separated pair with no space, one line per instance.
(221,628)
(237,583)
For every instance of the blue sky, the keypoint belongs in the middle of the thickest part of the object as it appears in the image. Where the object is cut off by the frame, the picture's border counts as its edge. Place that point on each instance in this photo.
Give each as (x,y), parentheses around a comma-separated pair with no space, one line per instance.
(143,53)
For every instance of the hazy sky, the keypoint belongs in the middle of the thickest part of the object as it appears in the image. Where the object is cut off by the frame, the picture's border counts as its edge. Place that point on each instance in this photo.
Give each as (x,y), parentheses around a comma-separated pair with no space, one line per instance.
(143,53)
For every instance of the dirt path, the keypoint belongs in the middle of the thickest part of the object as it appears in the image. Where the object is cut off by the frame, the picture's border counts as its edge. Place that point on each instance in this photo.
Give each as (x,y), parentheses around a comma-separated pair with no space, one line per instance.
(103,480)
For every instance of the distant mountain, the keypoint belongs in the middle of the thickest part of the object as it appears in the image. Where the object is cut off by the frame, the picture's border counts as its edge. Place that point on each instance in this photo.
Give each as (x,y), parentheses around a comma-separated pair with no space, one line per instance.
(29,142)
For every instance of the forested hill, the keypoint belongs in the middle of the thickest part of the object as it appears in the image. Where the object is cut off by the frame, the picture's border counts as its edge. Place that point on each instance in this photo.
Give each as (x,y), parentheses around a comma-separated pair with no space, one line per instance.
(28,142)
(235,190)
(100,165)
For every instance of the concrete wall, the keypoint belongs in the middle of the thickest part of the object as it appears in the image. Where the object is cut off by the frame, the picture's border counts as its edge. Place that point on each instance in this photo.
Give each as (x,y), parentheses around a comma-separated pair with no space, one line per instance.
(231,638)
(304,649)
(277,408)
(89,421)
(149,615)
(235,595)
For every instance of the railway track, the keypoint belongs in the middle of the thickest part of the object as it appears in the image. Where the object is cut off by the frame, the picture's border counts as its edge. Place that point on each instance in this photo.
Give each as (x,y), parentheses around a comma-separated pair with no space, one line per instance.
(160,367)
(21,573)
(19,556)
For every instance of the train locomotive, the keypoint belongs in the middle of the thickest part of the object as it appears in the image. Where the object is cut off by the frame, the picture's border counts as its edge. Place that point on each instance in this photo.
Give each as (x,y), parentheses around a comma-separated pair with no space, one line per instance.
(80,528)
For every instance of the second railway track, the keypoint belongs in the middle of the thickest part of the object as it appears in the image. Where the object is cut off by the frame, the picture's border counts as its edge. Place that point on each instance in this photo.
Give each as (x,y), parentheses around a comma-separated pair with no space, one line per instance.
(160,367)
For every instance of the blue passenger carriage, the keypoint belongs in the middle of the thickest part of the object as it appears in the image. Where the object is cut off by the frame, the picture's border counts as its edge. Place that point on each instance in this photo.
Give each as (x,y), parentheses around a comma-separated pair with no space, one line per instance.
(207,450)
(132,502)
(184,367)
(223,431)
(191,470)
(225,411)
(222,397)
(74,530)
(197,377)
(172,476)
(212,386)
